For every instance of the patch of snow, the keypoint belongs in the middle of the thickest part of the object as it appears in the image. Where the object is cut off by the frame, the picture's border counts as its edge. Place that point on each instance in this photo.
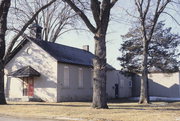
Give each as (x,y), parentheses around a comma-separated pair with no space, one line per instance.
(154,98)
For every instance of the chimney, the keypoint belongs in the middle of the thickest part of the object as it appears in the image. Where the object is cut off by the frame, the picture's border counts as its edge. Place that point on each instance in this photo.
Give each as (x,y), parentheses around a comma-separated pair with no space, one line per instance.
(35,31)
(86,47)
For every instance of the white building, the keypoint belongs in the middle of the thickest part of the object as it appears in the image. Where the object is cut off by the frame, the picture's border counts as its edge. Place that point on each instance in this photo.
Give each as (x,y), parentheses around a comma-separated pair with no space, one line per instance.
(40,70)
(160,85)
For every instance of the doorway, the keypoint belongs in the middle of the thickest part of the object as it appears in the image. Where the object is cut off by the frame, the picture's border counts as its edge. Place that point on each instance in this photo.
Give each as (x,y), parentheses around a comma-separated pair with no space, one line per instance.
(116,90)
(28,86)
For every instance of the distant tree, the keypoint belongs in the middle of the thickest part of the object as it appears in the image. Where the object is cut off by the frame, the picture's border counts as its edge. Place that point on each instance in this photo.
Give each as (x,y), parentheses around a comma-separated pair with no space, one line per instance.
(162,50)
(55,20)
(154,9)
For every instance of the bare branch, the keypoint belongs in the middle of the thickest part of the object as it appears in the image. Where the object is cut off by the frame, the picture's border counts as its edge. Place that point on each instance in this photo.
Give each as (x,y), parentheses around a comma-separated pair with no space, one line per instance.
(113,3)
(172,18)
(147,8)
(24,28)
(95,7)
(82,15)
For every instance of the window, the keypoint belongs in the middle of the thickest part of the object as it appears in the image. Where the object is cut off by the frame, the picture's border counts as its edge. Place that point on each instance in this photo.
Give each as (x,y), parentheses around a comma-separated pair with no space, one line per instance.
(66,77)
(80,83)
(92,77)
(130,83)
(122,83)
(29,51)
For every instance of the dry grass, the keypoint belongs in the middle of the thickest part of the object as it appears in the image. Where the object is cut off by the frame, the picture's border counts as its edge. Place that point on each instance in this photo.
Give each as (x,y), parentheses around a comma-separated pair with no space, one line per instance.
(122,111)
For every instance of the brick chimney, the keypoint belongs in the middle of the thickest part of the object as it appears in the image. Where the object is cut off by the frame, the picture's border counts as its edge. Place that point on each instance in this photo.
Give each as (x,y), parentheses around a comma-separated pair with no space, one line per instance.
(86,47)
(36,31)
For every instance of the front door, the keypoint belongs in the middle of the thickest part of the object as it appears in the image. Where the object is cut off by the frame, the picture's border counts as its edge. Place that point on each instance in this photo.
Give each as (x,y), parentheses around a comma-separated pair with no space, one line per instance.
(116,90)
(28,86)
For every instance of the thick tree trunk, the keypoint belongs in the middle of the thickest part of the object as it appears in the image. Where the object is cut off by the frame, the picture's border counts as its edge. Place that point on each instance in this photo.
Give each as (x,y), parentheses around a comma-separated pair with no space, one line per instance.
(99,76)
(101,12)
(4,8)
(2,95)
(2,53)
(144,97)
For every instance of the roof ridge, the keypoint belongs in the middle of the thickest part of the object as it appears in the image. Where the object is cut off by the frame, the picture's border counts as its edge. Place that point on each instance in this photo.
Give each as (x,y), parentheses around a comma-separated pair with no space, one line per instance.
(34,40)
(62,53)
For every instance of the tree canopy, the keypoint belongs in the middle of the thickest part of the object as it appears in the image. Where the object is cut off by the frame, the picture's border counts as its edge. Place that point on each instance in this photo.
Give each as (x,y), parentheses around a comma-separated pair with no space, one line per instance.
(162,50)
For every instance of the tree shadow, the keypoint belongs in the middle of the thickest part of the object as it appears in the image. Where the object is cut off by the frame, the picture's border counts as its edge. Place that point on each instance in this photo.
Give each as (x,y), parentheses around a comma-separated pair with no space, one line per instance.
(164,106)
(46,104)
(140,109)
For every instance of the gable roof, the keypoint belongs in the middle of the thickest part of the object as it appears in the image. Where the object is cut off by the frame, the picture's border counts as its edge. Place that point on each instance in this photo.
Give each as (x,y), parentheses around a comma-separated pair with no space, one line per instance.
(26,71)
(62,53)
(66,54)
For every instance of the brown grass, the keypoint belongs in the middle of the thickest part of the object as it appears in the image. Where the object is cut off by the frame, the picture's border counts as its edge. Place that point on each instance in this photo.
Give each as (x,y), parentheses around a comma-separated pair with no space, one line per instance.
(118,111)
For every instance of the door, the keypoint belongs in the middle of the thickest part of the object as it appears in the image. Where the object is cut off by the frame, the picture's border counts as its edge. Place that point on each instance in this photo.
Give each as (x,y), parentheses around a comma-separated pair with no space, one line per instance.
(116,90)
(28,86)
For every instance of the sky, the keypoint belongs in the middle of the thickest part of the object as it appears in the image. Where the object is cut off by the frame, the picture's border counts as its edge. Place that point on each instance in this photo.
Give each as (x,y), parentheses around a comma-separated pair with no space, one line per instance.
(118,26)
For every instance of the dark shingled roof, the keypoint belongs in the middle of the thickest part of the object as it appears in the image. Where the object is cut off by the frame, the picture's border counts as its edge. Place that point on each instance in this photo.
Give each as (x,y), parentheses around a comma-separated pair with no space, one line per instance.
(26,71)
(62,53)
(66,54)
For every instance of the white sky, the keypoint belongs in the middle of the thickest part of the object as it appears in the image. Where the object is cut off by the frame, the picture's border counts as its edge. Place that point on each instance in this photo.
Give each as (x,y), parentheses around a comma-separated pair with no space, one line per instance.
(115,30)
(119,25)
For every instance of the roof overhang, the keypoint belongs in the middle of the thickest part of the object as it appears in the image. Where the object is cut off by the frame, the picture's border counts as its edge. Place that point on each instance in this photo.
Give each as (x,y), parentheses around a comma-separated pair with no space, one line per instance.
(26,71)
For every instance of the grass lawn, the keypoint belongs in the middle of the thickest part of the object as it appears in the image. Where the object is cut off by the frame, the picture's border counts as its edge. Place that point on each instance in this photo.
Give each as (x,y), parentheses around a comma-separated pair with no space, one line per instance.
(118,111)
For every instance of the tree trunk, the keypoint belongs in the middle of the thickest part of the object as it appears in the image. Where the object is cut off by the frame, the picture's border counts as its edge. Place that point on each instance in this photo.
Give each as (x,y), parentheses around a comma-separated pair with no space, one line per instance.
(2,95)
(144,97)
(4,8)
(99,76)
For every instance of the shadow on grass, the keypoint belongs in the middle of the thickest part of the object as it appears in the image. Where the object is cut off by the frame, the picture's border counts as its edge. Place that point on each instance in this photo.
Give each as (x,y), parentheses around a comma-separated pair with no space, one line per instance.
(154,105)
(44,104)
(126,100)
(112,107)
(140,109)
(116,104)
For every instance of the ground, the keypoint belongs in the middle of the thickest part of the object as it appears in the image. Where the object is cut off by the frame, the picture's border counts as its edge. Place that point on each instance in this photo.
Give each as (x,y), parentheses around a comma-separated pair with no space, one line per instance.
(12,118)
(118,111)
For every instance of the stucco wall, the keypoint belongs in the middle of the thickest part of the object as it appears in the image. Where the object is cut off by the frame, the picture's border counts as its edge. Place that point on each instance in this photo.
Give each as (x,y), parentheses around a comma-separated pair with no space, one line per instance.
(45,86)
(124,84)
(73,92)
(160,84)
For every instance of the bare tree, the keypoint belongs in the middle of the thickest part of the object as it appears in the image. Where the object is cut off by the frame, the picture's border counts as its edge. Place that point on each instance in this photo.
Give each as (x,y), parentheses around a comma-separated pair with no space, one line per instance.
(101,14)
(4,9)
(55,20)
(145,8)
